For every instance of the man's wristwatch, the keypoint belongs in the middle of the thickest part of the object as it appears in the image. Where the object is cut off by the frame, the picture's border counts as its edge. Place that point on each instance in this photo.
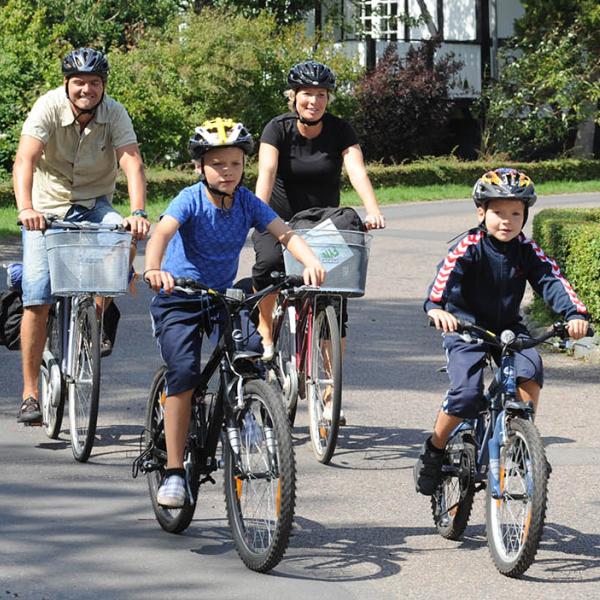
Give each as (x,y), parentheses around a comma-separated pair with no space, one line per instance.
(140,212)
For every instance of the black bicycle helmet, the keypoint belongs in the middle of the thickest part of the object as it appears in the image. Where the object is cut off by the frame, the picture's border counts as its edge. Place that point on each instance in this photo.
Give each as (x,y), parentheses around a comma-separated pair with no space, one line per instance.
(311,74)
(504,184)
(86,61)
(219,133)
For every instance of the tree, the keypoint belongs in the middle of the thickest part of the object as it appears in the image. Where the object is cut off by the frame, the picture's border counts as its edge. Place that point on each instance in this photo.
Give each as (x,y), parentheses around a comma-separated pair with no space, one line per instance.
(550,84)
(402,106)
(284,11)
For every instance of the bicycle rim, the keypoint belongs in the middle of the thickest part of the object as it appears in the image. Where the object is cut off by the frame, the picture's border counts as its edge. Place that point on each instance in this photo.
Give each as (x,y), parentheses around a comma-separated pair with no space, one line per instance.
(172,520)
(260,487)
(325,385)
(51,387)
(515,521)
(285,356)
(84,390)
(451,504)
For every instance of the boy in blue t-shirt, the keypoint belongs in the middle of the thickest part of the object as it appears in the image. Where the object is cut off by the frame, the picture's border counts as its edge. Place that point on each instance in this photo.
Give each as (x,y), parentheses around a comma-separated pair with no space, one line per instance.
(200,236)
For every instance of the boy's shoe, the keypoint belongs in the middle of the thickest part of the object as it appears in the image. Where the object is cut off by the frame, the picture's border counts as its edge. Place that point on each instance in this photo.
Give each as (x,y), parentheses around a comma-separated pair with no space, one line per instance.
(268,352)
(172,492)
(428,469)
(30,412)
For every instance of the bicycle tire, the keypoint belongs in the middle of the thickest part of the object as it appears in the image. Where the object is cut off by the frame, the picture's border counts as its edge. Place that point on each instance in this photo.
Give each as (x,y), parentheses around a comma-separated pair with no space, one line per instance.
(325,380)
(452,503)
(172,520)
(51,384)
(260,492)
(84,390)
(286,368)
(523,483)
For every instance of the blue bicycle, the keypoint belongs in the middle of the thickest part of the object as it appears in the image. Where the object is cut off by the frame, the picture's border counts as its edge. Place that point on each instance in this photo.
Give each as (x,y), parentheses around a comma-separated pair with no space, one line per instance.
(501,451)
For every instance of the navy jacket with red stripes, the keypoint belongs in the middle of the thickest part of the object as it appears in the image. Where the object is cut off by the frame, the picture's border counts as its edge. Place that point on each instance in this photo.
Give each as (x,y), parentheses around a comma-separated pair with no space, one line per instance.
(483,280)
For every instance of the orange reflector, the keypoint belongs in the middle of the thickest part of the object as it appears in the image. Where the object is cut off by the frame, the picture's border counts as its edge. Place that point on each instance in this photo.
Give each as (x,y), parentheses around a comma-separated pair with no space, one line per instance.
(239,484)
(278,499)
(163,397)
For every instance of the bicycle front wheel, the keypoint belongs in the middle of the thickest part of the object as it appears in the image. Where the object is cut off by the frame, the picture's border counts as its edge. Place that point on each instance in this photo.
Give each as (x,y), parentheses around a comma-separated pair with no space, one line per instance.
(260,481)
(325,384)
(172,520)
(451,504)
(51,384)
(84,389)
(515,521)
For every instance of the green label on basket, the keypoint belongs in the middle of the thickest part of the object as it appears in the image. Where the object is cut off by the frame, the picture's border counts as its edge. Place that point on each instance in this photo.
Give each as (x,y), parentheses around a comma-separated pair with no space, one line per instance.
(328,244)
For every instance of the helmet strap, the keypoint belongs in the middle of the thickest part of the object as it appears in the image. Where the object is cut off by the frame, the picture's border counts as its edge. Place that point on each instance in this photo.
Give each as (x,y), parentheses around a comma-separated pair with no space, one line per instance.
(306,121)
(82,111)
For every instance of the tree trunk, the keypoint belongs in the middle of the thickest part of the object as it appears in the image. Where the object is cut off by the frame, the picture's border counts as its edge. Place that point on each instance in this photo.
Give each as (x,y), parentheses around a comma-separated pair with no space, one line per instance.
(584,141)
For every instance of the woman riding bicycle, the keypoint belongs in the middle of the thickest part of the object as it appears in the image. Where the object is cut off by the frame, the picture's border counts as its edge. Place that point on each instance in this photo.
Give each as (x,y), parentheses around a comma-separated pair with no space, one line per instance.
(299,167)
(200,236)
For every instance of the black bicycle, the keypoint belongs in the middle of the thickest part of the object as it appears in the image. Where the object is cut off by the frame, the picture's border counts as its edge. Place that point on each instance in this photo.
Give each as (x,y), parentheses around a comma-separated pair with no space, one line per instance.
(244,417)
(501,451)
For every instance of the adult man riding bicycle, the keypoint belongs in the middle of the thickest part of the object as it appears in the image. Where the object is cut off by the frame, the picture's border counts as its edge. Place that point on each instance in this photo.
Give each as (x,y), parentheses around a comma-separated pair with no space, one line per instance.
(72,143)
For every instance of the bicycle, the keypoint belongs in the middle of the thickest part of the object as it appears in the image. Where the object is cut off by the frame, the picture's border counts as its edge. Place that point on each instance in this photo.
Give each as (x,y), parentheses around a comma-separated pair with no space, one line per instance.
(86,260)
(307,325)
(501,451)
(246,418)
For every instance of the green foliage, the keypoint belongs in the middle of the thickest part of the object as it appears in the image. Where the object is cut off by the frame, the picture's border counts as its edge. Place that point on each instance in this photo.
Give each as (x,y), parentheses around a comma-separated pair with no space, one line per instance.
(214,64)
(284,11)
(550,82)
(572,237)
(403,105)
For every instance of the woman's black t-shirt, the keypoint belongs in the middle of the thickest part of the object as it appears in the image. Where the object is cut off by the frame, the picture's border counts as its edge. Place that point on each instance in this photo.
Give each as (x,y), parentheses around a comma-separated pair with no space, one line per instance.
(309,170)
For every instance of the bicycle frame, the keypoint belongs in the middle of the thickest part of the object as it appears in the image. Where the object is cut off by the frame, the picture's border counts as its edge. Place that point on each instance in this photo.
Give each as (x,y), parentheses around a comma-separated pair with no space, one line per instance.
(490,434)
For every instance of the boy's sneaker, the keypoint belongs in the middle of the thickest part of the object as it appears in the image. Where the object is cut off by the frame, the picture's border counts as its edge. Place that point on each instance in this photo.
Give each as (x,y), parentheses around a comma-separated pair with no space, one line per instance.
(268,352)
(30,412)
(172,492)
(428,469)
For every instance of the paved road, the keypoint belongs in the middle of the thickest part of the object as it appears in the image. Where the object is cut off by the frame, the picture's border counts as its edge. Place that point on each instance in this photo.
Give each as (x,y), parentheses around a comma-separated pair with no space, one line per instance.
(87,531)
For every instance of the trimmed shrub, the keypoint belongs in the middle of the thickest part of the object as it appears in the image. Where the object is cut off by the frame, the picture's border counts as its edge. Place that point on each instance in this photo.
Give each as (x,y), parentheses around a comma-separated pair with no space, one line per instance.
(572,238)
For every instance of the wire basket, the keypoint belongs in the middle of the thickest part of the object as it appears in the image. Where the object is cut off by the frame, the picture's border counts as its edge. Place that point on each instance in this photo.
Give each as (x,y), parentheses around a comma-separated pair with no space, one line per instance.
(343,254)
(88,261)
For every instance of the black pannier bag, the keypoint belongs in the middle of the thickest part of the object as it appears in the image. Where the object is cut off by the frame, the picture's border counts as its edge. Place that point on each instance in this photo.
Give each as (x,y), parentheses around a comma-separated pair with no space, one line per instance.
(11,313)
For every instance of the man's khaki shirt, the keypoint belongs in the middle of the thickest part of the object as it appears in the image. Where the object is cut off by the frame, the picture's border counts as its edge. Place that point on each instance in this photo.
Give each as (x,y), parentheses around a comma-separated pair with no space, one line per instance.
(76,166)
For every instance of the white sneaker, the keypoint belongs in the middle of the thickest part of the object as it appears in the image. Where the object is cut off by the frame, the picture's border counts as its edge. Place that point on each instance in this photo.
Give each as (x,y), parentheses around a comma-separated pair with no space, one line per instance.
(268,351)
(172,492)
(327,414)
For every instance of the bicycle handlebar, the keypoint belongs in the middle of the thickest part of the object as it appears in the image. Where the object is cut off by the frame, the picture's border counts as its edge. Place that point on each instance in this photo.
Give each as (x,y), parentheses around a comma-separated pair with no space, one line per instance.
(53,222)
(517,343)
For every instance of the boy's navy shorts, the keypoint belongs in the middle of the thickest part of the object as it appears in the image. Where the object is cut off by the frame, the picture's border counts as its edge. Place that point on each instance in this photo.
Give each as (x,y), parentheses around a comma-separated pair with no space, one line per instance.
(466,363)
(179,323)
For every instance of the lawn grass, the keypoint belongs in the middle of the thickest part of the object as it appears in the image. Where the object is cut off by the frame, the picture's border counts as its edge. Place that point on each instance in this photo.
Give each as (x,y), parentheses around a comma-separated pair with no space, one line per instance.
(392,195)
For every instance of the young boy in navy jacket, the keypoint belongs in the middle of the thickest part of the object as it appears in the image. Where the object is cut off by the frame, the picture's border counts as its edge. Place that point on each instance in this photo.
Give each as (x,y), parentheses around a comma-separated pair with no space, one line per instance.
(482,280)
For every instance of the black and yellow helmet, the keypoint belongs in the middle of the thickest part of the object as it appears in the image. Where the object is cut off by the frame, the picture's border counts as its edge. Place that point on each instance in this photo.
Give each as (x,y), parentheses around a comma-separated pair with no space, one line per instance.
(504,184)
(219,133)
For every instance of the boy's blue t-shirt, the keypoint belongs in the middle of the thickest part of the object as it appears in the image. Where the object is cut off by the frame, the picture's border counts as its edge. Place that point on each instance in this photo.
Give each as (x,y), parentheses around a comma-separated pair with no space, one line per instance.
(208,243)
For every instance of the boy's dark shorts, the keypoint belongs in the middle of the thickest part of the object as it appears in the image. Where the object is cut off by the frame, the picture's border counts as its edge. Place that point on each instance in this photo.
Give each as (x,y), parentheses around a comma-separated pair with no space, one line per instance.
(466,363)
(179,323)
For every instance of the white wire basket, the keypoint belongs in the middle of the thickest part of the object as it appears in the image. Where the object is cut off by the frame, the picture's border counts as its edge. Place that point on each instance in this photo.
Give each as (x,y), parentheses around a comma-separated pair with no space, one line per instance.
(343,254)
(88,261)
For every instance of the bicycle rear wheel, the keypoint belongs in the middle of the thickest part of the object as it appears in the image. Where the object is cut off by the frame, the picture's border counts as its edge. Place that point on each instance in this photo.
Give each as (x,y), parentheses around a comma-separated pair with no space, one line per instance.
(260,487)
(172,520)
(451,504)
(325,385)
(84,390)
(285,358)
(515,521)
(51,386)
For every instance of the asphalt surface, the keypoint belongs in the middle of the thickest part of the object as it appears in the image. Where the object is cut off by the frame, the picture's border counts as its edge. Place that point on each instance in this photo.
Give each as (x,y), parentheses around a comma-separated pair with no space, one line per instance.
(69,530)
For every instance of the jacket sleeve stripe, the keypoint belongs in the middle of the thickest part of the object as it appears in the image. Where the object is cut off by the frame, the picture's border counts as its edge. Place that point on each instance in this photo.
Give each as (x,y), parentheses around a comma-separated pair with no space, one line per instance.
(439,285)
(556,272)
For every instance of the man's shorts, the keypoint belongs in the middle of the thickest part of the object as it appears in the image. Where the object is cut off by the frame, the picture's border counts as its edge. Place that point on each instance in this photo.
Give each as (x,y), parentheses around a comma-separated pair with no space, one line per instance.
(36,274)
(466,364)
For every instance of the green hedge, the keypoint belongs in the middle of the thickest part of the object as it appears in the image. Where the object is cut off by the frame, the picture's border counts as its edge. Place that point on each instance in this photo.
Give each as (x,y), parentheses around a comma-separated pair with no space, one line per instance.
(165,184)
(572,238)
